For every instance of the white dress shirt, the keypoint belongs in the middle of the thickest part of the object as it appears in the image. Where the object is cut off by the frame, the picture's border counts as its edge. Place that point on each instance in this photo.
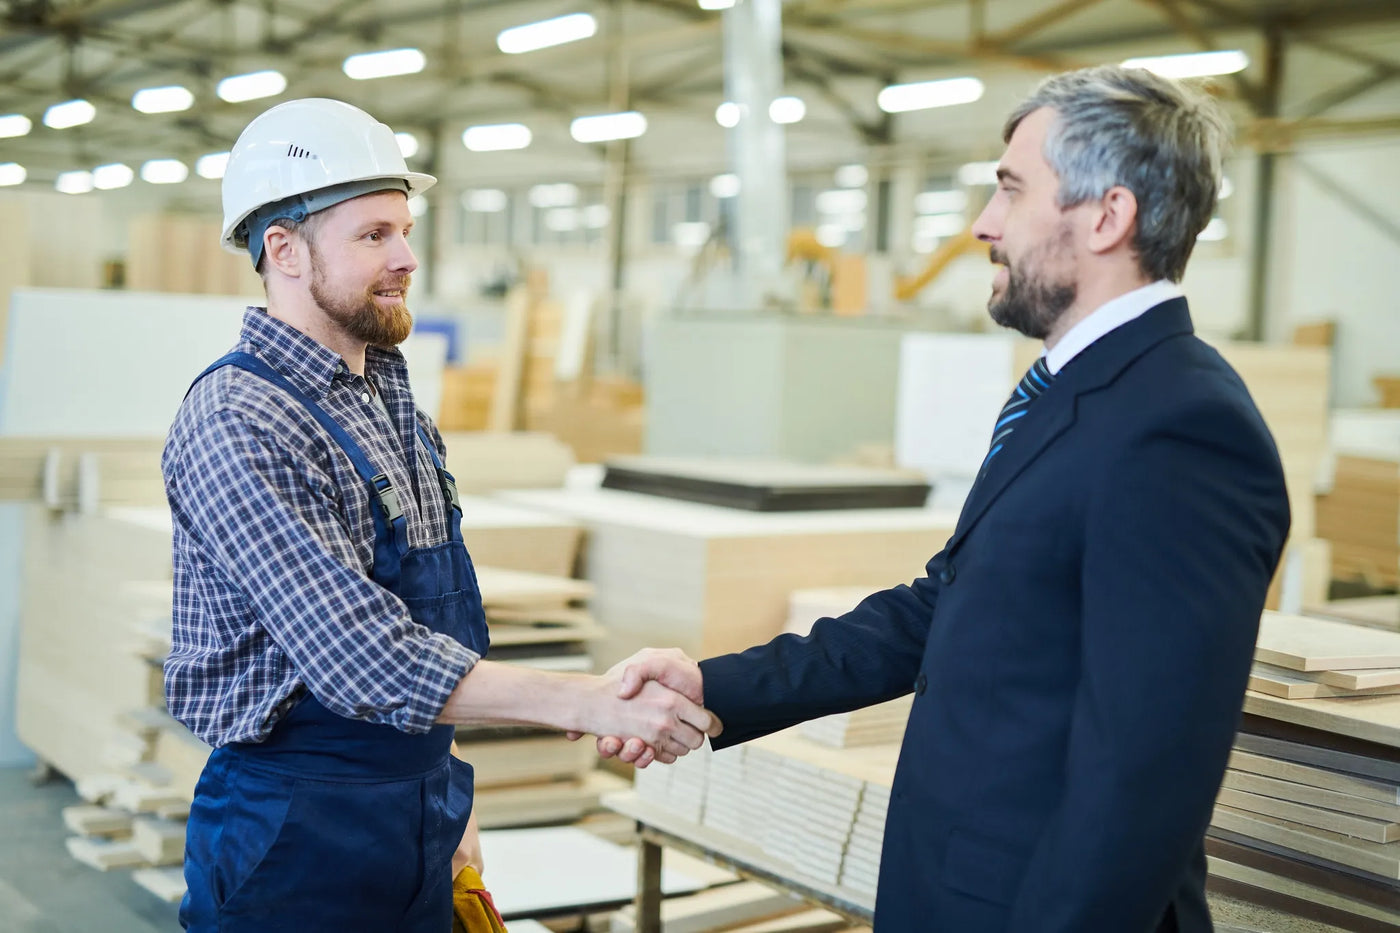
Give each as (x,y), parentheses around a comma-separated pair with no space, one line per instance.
(1106,317)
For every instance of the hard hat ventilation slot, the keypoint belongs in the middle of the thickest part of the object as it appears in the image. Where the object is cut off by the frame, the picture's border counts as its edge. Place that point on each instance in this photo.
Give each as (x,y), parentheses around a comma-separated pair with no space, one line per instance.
(296,152)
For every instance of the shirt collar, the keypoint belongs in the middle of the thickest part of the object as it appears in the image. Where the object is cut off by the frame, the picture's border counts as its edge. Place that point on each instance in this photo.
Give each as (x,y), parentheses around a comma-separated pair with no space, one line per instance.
(1107,317)
(308,363)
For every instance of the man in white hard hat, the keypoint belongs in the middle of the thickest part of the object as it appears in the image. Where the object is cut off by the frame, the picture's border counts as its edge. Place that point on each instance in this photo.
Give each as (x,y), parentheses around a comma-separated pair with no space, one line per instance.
(328,631)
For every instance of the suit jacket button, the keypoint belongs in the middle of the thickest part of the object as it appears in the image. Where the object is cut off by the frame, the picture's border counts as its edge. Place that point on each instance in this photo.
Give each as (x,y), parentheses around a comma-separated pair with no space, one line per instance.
(920,684)
(948,574)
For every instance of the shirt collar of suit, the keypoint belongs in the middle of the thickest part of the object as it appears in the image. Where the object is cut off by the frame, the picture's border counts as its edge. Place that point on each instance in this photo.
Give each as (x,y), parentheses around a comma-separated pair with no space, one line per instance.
(1108,317)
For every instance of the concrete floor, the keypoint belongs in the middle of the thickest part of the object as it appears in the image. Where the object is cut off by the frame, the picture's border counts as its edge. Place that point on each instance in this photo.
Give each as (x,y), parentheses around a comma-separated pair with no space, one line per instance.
(43,890)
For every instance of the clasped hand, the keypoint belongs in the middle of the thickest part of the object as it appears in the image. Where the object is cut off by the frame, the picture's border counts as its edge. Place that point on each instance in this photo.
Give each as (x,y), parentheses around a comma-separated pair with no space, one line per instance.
(663,691)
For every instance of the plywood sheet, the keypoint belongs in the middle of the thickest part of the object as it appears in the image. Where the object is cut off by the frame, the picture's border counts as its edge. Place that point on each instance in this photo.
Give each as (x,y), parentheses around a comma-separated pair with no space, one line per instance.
(1312,796)
(1337,781)
(1298,685)
(1358,827)
(1378,858)
(1373,719)
(1258,878)
(500,587)
(1308,644)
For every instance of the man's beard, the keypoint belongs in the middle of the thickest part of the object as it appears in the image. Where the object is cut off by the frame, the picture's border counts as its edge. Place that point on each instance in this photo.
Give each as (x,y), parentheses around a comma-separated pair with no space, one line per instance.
(359,314)
(1032,305)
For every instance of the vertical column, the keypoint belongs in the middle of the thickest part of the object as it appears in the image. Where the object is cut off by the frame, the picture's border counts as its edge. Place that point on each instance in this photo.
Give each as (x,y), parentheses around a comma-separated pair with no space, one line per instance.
(753,77)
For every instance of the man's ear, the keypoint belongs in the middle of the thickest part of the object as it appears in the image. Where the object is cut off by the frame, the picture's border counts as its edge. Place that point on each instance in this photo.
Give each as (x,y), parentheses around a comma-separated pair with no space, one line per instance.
(282,251)
(1113,220)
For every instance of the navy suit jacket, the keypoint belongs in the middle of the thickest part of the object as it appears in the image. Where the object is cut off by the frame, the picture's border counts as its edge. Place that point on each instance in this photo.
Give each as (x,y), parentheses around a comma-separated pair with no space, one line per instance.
(1078,653)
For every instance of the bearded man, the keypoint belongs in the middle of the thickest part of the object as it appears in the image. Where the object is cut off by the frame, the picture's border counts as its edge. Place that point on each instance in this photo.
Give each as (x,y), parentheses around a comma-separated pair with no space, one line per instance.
(1078,651)
(328,632)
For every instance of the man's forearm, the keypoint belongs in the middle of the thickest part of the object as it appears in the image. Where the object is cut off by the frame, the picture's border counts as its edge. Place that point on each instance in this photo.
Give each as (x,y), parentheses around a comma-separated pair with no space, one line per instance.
(493,692)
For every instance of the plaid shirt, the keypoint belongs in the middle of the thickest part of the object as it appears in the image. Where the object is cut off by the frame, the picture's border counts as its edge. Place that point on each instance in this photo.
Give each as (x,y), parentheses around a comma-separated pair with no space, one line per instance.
(274,543)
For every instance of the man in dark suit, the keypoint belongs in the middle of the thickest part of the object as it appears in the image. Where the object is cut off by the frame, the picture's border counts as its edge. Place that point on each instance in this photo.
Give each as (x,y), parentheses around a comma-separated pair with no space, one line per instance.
(1078,652)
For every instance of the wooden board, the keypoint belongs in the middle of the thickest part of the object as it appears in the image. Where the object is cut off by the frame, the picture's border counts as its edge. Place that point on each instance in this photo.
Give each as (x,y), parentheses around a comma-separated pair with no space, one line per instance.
(1312,796)
(535,804)
(1316,777)
(719,908)
(160,842)
(1317,747)
(1347,824)
(93,820)
(514,588)
(1383,860)
(1307,869)
(765,485)
(1299,685)
(1301,643)
(1376,611)
(168,884)
(1312,894)
(103,854)
(1373,719)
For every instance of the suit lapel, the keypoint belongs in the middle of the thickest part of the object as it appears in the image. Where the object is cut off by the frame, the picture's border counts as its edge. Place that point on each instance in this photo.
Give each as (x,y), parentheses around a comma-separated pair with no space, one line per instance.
(1053,413)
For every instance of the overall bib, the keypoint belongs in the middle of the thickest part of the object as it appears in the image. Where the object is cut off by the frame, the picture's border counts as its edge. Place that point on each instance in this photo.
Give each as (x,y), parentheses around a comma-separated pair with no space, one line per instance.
(334,824)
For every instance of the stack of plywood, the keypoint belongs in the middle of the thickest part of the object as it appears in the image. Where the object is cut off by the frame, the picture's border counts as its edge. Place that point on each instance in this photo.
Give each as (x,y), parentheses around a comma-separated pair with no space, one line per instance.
(466,397)
(1374,611)
(1361,517)
(499,534)
(61,471)
(708,579)
(816,813)
(181,253)
(1311,800)
(485,461)
(882,724)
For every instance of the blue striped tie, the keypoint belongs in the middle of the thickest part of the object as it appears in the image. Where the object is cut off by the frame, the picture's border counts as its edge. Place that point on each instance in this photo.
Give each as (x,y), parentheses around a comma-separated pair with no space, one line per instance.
(1032,385)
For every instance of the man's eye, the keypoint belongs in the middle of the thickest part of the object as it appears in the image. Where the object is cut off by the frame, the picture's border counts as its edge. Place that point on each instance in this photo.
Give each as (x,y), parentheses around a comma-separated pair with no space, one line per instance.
(374,235)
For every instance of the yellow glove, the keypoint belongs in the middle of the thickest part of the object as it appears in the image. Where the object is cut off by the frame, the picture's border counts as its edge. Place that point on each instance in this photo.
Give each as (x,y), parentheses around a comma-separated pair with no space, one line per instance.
(472,908)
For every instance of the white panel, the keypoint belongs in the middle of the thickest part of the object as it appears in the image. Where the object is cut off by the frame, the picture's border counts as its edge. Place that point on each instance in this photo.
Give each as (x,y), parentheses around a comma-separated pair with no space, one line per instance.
(951,388)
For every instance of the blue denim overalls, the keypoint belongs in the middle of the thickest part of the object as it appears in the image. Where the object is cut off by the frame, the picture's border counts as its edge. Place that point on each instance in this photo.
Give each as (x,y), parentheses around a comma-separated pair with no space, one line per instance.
(335,824)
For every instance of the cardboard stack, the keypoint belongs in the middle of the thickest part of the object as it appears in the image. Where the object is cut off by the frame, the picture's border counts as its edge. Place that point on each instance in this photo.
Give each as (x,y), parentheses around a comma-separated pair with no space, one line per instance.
(1308,816)
(814,813)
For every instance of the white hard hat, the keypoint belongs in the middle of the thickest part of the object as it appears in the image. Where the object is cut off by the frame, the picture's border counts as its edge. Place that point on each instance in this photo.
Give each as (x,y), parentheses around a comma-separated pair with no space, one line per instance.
(311,154)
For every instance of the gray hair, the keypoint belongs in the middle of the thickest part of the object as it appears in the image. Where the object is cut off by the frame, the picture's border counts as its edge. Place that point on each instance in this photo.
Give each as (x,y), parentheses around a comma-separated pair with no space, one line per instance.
(1161,139)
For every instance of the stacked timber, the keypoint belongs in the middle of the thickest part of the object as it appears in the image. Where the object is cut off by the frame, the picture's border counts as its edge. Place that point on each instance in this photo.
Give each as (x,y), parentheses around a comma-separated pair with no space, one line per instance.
(709,579)
(1361,517)
(1308,815)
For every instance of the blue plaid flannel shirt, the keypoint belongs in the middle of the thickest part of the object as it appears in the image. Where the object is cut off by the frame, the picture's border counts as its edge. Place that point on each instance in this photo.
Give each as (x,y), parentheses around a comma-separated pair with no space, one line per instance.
(274,542)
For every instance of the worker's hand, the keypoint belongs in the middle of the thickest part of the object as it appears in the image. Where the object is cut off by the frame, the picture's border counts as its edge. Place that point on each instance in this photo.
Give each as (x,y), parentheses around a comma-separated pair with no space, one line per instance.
(659,718)
(469,849)
(670,667)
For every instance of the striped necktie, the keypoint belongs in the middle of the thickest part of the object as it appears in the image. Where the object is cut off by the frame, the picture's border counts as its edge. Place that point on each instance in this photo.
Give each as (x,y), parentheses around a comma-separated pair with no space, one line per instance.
(1032,385)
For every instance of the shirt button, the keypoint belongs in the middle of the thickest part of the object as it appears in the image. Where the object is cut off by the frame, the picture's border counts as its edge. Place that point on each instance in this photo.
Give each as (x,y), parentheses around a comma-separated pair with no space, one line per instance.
(364,397)
(948,574)
(920,684)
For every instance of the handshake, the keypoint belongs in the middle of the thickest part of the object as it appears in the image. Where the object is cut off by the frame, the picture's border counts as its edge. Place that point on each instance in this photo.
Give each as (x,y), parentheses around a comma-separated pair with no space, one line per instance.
(651,708)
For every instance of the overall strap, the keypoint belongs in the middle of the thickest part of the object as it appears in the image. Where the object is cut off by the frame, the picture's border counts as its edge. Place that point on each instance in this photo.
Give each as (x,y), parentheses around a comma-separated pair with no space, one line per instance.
(448,484)
(390,524)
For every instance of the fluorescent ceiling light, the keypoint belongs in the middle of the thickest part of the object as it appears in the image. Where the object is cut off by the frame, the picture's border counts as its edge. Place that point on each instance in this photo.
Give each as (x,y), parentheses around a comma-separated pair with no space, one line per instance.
(939,225)
(14,124)
(841,201)
(164,172)
(113,175)
(485,200)
(1215,230)
(787,109)
(978,173)
(716,4)
(408,144)
(561,219)
(163,99)
(12,173)
(417,205)
(899,98)
(560,195)
(69,113)
(211,166)
(724,186)
(74,182)
(386,64)
(542,35)
(940,202)
(606,127)
(495,137)
(690,235)
(251,86)
(852,176)
(832,236)
(1193,64)
(596,216)
(727,114)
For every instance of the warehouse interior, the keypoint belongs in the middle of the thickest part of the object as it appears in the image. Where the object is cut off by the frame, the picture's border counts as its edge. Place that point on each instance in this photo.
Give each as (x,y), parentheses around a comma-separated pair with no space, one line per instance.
(722,247)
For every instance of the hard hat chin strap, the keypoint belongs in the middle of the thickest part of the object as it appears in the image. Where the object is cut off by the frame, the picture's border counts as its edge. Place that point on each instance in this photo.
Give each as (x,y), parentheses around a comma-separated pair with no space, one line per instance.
(298,207)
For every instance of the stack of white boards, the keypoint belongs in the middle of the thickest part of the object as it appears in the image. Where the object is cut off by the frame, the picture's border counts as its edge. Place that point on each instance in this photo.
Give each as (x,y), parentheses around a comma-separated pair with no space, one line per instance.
(882,724)
(708,579)
(1308,816)
(814,813)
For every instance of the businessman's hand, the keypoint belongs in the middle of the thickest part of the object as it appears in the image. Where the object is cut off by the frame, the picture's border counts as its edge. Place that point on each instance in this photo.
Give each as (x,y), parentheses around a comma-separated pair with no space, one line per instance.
(669,667)
(650,714)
